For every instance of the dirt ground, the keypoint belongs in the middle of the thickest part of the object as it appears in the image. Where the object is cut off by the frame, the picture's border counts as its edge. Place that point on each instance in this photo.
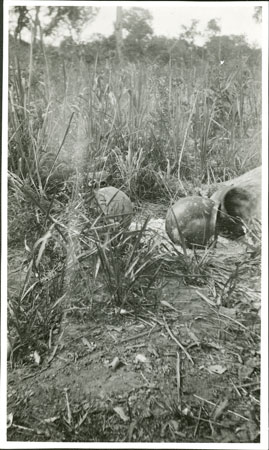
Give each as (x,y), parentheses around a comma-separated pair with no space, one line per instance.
(182,369)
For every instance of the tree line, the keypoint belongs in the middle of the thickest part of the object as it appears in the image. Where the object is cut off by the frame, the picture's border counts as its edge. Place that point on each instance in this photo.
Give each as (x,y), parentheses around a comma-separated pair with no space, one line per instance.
(133,39)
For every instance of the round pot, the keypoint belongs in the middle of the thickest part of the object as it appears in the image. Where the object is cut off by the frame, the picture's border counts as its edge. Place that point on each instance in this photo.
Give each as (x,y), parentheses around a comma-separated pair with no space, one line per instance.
(193,219)
(115,205)
(239,202)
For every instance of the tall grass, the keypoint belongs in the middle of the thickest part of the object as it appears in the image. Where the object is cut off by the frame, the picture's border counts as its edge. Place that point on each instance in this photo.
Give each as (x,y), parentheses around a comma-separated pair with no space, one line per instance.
(197,118)
(130,266)
(157,131)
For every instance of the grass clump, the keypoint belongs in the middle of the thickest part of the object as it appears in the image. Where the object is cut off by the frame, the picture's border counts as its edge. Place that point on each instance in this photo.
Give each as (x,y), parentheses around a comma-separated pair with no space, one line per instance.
(130,266)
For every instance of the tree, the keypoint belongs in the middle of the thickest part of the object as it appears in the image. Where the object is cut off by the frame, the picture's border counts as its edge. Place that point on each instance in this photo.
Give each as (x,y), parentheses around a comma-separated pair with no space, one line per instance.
(70,20)
(257,16)
(213,28)
(232,47)
(23,20)
(190,33)
(136,22)
(118,33)
(158,49)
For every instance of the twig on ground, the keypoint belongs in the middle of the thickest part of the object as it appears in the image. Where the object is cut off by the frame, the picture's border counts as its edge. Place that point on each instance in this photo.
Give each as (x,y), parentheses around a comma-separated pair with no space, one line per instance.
(143,376)
(238,323)
(136,336)
(213,306)
(198,421)
(178,380)
(69,414)
(214,404)
(20,427)
(32,375)
(220,408)
(55,348)
(129,347)
(235,388)
(205,298)
(177,341)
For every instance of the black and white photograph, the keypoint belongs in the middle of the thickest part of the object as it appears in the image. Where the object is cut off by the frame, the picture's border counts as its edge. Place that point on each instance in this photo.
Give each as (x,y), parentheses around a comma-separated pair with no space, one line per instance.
(134,309)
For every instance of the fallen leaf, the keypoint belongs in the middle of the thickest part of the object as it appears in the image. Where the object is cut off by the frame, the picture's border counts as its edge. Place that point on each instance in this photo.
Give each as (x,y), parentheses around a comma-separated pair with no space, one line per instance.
(253,362)
(9,420)
(51,419)
(245,372)
(256,305)
(86,406)
(230,312)
(112,327)
(140,358)
(217,369)
(82,419)
(193,336)
(253,430)
(187,412)
(165,303)
(220,409)
(37,357)
(227,436)
(174,424)
(47,433)
(163,429)
(153,351)
(241,430)
(115,363)
(8,349)
(91,345)
(214,345)
(97,267)
(26,246)
(131,430)
(119,410)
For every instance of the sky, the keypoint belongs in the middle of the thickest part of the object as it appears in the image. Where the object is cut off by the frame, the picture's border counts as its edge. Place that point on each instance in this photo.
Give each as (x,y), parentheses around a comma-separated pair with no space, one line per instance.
(168,17)
(167,20)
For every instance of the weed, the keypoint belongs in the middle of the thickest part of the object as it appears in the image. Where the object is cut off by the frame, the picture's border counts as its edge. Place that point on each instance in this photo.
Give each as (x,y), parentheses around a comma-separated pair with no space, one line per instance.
(129,264)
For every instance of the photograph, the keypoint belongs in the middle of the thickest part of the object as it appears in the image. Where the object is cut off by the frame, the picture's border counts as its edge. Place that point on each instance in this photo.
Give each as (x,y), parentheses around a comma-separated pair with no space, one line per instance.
(134,243)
